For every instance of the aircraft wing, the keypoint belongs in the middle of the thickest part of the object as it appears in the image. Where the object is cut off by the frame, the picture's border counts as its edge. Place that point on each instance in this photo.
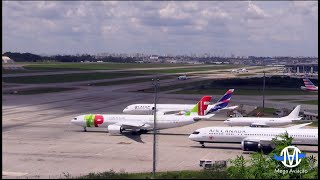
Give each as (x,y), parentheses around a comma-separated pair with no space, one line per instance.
(258,124)
(132,125)
(261,140)
(230,107)
(298,126)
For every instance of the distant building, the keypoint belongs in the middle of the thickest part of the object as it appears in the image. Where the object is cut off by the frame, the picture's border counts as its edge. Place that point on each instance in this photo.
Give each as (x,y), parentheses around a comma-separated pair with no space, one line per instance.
(154,57)
(310,115)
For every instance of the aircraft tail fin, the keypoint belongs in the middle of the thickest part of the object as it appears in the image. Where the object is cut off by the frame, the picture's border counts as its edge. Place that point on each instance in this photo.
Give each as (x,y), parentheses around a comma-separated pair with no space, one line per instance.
(222,102)
(200,107)
(294,115)
(307,82)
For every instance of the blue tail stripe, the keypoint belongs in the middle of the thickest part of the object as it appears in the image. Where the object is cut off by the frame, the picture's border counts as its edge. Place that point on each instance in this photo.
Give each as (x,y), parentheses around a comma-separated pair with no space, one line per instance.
(225,97)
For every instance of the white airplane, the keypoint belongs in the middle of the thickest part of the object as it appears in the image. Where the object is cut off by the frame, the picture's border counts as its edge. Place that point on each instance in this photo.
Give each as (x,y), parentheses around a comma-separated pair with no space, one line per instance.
(309,86)
(254,139)
(239,70)
(243,70)
(265,121)
(183,77)
(222,103)
(116,123)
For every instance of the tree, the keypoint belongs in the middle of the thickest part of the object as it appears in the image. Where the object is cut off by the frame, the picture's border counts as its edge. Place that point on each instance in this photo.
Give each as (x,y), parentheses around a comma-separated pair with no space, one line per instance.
(264,166)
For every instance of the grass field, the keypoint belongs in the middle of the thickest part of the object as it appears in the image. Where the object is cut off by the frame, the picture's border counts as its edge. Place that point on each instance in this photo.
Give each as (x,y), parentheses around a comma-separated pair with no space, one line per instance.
(59,78)
(183,70)
(39,91)
(312,102)
(167,88)
(129,81)
(95,66)
(241,91)
(198,87)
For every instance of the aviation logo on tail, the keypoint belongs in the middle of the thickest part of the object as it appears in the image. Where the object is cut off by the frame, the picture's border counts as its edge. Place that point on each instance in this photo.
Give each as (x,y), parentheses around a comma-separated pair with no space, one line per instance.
(201,106)
(308,83)
(222,102)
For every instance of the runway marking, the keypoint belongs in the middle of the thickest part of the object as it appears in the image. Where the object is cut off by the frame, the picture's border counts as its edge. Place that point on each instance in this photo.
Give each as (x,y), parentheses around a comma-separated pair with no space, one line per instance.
(7,173)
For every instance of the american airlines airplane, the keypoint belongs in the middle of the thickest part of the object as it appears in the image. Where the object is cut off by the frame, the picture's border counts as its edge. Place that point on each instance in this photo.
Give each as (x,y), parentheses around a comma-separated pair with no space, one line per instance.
(309,86)
(254,139)
(265,121)
(222,103)
(116,123)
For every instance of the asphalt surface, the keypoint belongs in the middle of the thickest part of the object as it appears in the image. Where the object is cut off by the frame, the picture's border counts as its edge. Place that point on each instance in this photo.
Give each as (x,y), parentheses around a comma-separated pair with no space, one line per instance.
(40,142)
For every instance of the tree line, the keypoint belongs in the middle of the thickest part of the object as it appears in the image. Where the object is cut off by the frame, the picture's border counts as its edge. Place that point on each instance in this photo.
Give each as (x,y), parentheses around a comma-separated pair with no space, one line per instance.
(29,57)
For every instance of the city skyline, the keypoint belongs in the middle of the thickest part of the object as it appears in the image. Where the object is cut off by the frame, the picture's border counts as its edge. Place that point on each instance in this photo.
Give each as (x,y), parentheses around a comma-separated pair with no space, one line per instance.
(241,28)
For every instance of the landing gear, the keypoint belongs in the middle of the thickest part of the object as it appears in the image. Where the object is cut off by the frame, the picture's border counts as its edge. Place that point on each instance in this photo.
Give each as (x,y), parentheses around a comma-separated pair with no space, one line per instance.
(202,145)
(85,129)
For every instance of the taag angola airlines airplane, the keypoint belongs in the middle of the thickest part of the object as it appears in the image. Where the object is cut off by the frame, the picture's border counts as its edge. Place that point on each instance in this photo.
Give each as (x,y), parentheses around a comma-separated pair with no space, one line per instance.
(309,86)
(265,121)
(252,138)
(222,103)
(116,123)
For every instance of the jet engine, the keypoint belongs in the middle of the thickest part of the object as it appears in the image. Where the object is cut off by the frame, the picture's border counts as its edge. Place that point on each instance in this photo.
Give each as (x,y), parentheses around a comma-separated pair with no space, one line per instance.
(256,146)
(250,146)
(114,129)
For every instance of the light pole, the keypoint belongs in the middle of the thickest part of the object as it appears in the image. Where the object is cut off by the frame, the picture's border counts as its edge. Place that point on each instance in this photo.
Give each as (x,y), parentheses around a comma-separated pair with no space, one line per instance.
(264,84)
(155,83)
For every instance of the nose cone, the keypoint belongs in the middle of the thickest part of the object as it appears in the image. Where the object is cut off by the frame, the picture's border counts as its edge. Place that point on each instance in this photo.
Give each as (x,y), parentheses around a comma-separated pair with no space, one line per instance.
(227,122)
(126,110)
(191,137)
(79,120)
(194,137)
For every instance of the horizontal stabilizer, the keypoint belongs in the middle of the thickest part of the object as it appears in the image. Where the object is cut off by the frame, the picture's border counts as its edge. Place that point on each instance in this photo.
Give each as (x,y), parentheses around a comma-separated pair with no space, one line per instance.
(299,126)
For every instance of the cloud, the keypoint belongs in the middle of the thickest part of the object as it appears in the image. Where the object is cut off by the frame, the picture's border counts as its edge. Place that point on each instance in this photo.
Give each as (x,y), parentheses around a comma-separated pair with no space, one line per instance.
(247,28)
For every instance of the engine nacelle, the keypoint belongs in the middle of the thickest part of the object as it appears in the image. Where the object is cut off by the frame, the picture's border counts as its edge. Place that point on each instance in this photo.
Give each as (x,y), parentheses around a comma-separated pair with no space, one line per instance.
(250,146)
(256,146)
(114,129)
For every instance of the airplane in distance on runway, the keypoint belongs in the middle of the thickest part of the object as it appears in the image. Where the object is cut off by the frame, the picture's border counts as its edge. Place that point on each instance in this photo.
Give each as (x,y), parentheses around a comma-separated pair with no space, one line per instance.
(252,138)
(221,104)
(265,121)
(116,123)
(309,86)
(183,77)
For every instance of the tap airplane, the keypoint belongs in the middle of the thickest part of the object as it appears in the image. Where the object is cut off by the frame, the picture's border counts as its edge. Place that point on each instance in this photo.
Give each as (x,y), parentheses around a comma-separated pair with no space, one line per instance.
(265,121)
(222,103)
(309,86)
(116,123)
(252,138)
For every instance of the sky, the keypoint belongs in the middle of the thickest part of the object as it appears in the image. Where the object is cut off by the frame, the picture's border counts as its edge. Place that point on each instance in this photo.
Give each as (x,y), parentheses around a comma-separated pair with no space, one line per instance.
(242,28)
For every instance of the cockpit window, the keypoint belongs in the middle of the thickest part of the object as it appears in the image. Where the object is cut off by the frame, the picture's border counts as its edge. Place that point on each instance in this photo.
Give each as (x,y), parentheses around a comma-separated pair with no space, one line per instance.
(196,132)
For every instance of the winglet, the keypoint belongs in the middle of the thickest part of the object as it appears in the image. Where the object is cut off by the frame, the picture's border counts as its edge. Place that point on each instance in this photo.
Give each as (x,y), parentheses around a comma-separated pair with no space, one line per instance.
(298,126)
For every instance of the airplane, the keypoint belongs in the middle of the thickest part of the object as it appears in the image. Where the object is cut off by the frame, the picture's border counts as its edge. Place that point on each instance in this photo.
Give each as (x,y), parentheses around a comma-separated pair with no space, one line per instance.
(239,70)
(265,121)
(183,77)
(309,86)
(252,138)
(222,103)
(116,123)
